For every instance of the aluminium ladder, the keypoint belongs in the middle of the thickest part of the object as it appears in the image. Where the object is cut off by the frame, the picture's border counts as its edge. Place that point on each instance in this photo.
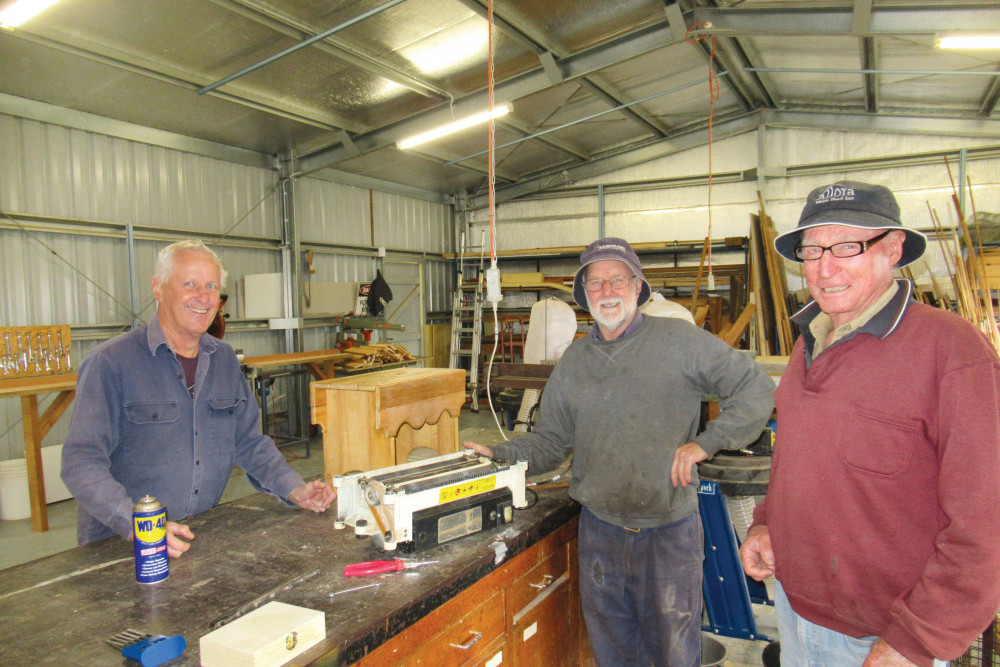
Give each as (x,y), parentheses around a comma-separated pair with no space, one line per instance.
(467,321)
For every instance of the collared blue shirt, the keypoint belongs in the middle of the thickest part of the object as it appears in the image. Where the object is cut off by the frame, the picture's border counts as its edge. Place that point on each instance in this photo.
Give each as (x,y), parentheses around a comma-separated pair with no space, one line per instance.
(136,430)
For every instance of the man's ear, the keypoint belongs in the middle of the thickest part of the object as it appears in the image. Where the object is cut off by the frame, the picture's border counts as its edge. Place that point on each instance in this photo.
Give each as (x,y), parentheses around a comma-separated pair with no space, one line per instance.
(896,240)
(157,291)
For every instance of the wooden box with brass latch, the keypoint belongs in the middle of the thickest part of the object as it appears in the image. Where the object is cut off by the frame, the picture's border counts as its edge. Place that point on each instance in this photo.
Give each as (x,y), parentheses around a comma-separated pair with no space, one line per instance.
(266,637)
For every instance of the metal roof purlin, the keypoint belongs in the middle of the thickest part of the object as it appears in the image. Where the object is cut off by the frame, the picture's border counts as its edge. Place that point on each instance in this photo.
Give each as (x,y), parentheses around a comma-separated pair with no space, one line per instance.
(581,64)
(266,15)
(301,45)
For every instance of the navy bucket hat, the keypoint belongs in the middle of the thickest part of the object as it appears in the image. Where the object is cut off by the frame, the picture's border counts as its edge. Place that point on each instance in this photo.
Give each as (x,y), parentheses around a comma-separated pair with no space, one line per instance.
(853,204)
(608,248)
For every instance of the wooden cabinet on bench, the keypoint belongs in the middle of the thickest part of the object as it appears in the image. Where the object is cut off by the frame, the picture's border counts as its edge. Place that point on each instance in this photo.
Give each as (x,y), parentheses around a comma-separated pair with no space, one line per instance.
(375,420)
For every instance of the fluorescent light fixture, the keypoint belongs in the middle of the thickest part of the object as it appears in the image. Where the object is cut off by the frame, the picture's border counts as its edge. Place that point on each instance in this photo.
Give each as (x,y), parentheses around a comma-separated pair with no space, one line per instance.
(461,124)
(969,41)
(20,11)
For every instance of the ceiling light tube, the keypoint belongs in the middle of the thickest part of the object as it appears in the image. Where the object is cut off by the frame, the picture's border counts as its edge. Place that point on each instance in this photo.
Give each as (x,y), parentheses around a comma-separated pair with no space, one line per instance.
(20,11)
(969,41)
(461,124)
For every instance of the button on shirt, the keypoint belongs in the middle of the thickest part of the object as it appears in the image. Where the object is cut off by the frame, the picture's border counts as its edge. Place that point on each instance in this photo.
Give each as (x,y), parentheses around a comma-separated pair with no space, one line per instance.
(136,431)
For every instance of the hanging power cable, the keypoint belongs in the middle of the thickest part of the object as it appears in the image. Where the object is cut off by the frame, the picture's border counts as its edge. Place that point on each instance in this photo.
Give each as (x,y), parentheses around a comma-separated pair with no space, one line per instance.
(713,94)
(493,294)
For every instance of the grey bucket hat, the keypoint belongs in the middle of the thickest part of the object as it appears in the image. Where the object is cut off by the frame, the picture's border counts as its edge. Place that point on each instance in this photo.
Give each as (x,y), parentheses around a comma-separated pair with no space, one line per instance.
(853,204)
(608,248)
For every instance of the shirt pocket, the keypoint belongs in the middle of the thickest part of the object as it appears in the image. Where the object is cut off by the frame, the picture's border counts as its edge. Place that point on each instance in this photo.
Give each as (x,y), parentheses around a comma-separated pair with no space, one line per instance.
(222,416)
(879,443)
(149,434)
(165,412)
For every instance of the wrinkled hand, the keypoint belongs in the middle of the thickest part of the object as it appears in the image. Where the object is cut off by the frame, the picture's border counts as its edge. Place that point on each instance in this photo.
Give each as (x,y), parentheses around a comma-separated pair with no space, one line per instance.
(175,545)
(685,459)
(314,496)
(883,655)
(482,450)
(756,553)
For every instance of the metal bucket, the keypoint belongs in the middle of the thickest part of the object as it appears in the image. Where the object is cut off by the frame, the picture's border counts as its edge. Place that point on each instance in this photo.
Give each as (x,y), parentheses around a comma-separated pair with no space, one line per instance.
(713,652)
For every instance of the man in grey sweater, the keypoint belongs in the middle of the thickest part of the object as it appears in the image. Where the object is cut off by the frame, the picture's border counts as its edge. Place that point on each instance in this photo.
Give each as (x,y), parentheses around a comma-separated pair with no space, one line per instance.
(625,400)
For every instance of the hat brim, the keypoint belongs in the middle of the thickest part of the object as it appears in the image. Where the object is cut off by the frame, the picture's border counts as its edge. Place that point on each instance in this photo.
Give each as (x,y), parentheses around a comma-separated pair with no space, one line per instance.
(580,294)
(913,247)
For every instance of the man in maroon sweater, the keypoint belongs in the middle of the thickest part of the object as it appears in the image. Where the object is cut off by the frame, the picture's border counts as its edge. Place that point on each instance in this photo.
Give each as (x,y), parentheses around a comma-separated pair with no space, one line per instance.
(881,519)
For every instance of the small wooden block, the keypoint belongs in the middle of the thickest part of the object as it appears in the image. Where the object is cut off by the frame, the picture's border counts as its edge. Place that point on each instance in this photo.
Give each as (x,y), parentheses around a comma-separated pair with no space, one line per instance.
(266,637)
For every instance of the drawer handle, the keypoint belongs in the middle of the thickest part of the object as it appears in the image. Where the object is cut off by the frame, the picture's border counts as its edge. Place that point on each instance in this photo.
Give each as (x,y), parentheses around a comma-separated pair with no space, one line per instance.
(476,636)
(544,583)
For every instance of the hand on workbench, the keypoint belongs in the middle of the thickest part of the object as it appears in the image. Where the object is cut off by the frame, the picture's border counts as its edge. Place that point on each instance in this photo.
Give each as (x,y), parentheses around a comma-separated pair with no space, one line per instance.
(175,545)
(314,496)
(756,553)
(685,459)
(482,450)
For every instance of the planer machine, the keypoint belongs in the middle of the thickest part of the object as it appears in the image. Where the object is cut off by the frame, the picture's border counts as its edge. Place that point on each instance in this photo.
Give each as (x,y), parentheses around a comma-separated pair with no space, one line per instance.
(416,506)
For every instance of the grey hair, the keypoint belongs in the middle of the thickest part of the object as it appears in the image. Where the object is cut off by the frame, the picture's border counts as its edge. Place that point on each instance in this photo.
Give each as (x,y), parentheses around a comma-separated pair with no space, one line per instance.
(165,259)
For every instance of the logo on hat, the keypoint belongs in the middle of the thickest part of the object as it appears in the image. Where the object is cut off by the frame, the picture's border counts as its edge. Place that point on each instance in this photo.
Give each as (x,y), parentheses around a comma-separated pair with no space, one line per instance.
(835,193)
(610,246)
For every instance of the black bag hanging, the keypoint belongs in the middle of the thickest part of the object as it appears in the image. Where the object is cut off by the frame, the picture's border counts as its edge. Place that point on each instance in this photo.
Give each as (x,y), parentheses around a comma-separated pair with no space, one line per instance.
(379,296)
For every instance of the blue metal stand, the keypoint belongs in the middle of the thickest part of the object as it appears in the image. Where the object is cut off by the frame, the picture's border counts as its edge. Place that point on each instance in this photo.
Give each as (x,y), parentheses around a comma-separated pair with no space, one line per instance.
(728,591)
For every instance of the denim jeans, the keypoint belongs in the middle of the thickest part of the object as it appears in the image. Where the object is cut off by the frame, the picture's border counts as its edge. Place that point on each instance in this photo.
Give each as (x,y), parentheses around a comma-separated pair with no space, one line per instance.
(641,592)
(805,644)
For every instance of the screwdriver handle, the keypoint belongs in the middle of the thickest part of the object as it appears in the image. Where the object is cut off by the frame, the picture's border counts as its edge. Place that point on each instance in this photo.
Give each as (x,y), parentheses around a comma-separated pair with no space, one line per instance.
(373,567)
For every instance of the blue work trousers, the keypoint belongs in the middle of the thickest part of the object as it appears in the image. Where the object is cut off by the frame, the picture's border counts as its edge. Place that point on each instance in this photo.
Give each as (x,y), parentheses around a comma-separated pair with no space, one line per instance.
(805,644)
(641,592)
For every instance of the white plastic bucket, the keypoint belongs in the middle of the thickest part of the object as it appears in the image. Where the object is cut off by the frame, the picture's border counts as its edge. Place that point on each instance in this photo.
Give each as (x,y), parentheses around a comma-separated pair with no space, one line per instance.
(14,501)
(713,652)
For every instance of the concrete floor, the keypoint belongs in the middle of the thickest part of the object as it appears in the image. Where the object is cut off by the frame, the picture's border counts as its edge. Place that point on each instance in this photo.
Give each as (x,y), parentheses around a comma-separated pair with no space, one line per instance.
(20,544)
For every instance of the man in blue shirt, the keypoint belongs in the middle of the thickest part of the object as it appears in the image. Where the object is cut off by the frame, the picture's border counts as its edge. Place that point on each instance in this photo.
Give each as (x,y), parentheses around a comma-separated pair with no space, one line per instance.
(164,410)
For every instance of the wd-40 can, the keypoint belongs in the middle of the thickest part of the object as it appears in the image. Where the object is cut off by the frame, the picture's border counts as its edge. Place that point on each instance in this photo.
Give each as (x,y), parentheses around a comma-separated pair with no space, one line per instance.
(149,531)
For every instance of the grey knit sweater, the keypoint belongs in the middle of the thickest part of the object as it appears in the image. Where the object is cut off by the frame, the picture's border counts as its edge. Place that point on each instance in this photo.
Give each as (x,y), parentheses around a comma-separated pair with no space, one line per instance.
(622,407)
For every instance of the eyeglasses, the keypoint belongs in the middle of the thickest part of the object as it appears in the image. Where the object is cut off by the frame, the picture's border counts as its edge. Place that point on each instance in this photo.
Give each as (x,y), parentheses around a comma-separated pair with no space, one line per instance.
(616,282)
(811,253)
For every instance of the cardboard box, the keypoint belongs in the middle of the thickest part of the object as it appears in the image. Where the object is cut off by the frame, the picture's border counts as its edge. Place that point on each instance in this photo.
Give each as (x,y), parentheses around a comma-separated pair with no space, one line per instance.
(328,298)
(266,637)
(258,296)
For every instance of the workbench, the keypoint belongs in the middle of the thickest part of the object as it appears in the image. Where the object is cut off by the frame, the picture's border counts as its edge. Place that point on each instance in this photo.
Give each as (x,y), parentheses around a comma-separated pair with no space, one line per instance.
(60,609)
(320,363)
(35,428)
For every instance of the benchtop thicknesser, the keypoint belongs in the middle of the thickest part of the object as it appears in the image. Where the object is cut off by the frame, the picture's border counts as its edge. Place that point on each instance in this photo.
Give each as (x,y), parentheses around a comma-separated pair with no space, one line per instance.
(419,505)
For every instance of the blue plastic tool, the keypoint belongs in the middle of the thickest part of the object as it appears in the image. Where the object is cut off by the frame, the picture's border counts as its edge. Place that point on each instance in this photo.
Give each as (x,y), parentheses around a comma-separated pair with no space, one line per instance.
(148,650)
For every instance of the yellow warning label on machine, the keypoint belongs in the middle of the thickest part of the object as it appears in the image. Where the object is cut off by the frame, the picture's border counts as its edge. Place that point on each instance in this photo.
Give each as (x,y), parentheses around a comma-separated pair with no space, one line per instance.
(466,489)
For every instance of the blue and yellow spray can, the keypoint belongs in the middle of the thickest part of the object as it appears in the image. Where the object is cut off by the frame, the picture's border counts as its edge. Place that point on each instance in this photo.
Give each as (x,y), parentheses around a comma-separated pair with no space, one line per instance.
(149,536)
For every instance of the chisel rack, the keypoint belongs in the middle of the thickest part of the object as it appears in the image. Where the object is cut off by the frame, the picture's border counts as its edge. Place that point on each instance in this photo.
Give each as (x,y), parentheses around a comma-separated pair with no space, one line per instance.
(35,351)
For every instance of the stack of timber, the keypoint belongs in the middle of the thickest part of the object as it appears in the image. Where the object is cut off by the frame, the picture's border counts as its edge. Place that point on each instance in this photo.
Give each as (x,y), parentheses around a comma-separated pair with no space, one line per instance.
(769,288)
(972,271)
(376,354)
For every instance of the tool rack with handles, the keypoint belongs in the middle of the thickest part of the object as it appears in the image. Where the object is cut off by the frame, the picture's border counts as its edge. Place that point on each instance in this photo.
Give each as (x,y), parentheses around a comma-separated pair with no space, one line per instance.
(35,351)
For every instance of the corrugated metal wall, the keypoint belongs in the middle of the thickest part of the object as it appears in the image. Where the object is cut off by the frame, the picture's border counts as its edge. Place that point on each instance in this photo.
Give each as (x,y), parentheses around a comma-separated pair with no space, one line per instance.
(330,213)
(67,196)
(918,176)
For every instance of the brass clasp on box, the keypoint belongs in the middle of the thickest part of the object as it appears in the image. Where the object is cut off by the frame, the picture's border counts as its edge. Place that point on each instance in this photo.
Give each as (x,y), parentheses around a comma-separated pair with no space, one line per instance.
(291,640)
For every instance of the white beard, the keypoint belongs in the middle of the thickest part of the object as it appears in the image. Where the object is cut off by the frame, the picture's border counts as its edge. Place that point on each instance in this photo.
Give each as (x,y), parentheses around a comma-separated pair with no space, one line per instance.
(616,318)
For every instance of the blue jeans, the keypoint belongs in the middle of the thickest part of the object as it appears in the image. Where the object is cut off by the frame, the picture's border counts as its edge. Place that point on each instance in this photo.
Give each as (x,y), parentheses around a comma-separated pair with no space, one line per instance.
(641,592)
(805,644)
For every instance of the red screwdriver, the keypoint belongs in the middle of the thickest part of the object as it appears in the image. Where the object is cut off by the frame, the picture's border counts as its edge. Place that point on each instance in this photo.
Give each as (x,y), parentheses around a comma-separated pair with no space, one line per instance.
(382,566)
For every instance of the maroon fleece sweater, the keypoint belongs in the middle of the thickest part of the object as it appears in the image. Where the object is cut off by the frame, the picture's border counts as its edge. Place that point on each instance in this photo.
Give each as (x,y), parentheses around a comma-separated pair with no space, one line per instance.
(884,501)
